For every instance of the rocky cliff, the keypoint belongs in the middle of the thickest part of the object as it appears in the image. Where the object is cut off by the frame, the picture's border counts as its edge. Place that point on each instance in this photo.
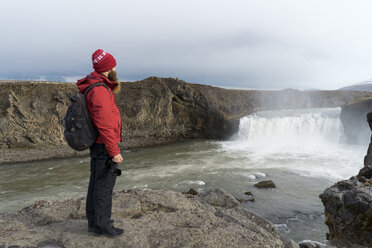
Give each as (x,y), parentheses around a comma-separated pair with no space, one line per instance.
(353,118)
(154,111)
(348,206)
(149,218)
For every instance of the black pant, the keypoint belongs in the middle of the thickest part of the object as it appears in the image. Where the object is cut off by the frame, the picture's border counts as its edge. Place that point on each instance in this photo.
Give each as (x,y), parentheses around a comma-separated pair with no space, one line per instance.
(101,185)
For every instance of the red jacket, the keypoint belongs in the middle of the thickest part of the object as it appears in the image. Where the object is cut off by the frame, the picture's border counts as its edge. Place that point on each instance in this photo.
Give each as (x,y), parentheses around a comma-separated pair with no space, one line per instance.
(103,111)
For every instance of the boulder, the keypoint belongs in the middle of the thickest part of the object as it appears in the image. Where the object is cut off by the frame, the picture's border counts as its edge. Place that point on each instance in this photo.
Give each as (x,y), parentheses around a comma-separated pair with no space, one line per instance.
(191,192)
(150,218)
(348,211)
(265,184)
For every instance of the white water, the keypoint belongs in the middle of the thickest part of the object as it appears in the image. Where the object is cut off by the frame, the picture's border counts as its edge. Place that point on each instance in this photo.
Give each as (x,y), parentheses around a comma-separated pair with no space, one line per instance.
(308,142)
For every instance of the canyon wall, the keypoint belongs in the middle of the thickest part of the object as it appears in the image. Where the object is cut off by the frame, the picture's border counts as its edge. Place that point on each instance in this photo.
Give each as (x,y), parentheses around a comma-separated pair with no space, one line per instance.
(154,111)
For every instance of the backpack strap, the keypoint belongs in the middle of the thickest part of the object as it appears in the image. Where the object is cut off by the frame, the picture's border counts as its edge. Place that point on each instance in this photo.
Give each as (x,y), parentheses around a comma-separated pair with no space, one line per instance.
(94,85)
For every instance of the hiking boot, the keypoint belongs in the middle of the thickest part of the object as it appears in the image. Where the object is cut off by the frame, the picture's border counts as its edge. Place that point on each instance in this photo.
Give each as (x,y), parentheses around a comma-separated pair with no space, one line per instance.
(91,225)
(118,230)
(110,231)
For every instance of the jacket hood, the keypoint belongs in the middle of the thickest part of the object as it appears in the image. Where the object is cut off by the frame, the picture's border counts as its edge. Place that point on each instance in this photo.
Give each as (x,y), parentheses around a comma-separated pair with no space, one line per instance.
(93,78)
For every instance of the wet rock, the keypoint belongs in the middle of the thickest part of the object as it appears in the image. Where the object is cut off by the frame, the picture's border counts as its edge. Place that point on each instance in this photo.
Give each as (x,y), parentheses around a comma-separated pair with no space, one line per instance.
(265,185)
(150,218)
(366,172)
(191,192)
(249,199)
(311,244)
(245,200)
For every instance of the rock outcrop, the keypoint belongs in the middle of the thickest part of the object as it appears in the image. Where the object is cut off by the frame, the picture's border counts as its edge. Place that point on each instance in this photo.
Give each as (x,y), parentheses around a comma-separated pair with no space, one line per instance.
(154,111)
(150,218)
(348,206)
(265,184)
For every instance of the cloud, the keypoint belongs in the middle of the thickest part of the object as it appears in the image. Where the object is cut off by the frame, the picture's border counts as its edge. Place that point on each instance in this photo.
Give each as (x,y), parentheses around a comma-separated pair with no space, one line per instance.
(248,44)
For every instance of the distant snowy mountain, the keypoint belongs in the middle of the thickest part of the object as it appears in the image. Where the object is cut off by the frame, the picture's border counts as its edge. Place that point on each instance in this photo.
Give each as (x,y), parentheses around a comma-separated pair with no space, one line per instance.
(364,86)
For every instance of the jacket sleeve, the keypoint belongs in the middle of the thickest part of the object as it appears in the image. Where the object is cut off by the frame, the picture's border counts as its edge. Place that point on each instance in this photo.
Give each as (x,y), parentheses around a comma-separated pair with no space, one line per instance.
(100,109)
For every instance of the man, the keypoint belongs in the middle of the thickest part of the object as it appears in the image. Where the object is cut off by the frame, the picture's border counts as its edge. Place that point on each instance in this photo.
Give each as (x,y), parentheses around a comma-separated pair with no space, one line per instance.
(105,116)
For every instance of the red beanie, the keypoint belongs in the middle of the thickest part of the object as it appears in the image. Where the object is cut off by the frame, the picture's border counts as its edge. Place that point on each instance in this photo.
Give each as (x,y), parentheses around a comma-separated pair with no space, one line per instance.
(102,61)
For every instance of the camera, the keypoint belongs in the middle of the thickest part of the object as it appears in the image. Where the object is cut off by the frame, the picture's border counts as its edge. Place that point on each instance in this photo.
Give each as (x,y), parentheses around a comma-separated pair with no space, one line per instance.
(114,168)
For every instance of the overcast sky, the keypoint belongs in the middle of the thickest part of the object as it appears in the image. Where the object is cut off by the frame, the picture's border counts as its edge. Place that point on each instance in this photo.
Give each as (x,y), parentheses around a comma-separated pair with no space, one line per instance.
(259,44)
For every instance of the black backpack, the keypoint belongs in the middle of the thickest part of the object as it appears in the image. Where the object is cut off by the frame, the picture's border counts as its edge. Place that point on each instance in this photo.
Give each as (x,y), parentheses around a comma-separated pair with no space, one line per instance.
(80,133)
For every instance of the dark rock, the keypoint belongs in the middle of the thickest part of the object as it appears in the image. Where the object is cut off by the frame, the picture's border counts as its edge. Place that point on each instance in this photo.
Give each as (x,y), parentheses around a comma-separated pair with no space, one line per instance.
(191,192)
(248,193)
(366,172)
(245,200)
(265,184)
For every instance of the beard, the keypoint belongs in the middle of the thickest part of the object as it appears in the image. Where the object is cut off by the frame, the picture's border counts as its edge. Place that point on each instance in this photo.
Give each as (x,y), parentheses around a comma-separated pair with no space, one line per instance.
(112,76)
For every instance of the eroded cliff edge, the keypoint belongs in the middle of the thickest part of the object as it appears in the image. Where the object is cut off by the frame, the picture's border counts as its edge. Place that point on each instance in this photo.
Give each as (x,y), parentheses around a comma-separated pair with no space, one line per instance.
(353,118)
(154,111)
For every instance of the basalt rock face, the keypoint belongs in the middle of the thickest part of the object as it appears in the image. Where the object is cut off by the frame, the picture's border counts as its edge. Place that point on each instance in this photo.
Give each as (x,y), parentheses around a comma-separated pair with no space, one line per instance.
(353,118)
(149,218)
(348,206)
(154,111)
(31,114)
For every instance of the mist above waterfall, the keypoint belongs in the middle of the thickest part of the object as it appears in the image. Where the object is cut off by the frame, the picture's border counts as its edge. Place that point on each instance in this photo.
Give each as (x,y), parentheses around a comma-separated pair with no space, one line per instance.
(307,141)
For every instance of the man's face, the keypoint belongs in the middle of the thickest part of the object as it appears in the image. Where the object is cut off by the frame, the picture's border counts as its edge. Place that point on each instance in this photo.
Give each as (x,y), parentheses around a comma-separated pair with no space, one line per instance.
(112,76)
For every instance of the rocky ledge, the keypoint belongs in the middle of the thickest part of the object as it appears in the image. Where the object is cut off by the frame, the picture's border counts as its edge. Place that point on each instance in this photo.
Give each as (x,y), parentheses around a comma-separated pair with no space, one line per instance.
(150,218)
(348,206)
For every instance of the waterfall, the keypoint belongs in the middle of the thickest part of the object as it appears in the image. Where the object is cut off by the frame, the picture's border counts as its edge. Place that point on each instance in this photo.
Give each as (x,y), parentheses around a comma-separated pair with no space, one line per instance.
(323,124)
(310,142)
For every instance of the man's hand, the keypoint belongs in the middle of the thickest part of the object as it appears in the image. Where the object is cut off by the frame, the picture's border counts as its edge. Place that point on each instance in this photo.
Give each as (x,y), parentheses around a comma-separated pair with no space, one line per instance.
(117,158)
